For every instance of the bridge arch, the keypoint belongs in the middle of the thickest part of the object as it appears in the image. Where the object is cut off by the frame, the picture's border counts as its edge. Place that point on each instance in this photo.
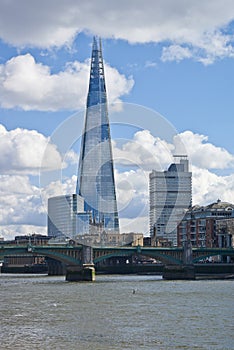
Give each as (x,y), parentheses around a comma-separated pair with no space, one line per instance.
(207,255)
(59,256)
(65,255)
(166,259)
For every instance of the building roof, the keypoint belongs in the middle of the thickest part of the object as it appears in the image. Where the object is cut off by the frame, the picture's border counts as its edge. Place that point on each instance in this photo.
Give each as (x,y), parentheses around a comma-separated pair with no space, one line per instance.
(220,205)
(216,205)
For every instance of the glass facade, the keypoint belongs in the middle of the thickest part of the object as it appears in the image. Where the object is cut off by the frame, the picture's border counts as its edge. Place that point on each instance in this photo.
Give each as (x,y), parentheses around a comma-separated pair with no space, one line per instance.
(82,223)
(62,215)
(95,181)
(170,196)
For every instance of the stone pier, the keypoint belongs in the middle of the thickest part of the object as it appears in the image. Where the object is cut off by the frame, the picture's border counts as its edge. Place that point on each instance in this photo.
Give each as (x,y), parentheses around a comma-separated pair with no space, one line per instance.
(85,273)
(181,272)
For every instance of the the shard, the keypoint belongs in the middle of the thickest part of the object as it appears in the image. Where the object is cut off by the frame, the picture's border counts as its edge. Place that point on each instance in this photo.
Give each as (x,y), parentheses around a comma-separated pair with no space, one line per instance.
(95,181)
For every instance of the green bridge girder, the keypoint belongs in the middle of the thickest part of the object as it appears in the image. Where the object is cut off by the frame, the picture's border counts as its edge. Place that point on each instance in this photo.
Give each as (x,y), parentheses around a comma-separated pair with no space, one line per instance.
(167,255)
(72,255)
(68,255)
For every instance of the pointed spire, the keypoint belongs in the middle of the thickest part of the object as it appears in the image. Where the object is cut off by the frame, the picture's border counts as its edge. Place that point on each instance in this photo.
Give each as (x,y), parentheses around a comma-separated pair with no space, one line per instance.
(95,48)
(97,88)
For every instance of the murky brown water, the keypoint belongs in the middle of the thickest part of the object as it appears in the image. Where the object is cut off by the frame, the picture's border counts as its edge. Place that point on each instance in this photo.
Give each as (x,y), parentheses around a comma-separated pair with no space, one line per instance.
(115,312)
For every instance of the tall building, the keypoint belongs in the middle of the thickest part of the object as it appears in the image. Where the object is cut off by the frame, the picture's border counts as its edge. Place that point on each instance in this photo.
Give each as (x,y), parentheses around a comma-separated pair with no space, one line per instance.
(95,182)
(170,194)
(64,215)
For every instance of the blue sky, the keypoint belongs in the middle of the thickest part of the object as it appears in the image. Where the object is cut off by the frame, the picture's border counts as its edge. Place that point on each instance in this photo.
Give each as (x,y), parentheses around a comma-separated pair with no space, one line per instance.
(173,57)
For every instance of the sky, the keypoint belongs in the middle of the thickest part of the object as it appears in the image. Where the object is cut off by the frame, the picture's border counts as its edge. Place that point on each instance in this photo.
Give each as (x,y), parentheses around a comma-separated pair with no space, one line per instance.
(168,64)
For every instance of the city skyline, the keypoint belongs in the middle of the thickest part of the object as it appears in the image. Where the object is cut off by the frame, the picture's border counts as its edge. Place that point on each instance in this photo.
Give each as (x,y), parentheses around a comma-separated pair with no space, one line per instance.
(173,64)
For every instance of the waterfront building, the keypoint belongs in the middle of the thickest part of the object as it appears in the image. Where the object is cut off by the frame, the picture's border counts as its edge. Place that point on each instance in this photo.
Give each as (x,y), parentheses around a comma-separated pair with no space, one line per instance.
(95,181)
(62,215)
(208,226)
(225,231)
(123,239)
(170,195)
(34,239)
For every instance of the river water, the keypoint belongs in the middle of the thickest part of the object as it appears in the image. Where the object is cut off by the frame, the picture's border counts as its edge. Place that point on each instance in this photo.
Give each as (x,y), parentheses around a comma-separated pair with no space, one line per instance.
(115,312)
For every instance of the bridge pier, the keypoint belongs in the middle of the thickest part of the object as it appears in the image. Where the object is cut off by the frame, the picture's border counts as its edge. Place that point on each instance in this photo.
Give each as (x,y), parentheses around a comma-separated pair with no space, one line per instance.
(179,272)
(186,271)
(86,273)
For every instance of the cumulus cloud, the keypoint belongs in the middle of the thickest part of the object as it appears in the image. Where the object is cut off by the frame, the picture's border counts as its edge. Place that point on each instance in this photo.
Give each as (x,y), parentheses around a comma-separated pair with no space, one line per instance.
(132,192)
(20,201)
(58,188)
(144,150)
(22,151)
(23,206)
(207,49)
(208,187)
(175,53)
(29,85)
(202,25)
(204,154)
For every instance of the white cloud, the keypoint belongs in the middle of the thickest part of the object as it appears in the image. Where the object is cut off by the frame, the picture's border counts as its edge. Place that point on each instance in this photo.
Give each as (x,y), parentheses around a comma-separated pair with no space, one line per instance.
(175,53)
(206,49)
(10,231)
(58,188)
(144,151)
(139,224)
(23,206)
(200,24)
(208,187)
(22,151)
(132,192)
(20,201)
(204,154)
(30,85)
(150,64)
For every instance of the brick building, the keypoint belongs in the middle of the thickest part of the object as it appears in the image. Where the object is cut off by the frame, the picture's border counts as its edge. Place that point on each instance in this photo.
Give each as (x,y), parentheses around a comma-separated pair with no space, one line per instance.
(208,226)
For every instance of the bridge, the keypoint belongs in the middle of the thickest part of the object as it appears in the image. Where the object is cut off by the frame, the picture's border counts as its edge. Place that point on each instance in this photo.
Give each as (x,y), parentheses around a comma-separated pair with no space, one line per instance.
(76,255)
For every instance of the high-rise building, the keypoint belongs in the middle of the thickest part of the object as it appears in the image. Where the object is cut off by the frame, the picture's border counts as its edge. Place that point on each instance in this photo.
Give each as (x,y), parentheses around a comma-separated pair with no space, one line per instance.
(95,182)
(63,214)
(170,195)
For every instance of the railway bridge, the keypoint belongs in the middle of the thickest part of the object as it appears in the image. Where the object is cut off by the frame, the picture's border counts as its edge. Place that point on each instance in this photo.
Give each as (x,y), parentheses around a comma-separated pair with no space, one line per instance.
(76,257)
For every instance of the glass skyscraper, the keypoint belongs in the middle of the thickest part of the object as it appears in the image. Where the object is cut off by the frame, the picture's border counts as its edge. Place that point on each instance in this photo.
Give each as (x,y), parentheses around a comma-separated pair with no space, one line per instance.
(170,196)
(63,212)
(95,181)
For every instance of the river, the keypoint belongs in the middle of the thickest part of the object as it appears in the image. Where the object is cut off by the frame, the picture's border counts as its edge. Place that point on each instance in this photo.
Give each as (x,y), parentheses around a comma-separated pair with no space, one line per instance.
(115,312)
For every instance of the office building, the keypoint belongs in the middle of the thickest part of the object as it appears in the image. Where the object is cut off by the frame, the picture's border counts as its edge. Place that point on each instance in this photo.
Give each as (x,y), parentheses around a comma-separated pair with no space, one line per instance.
(95,182)
(62,215)
(170,194)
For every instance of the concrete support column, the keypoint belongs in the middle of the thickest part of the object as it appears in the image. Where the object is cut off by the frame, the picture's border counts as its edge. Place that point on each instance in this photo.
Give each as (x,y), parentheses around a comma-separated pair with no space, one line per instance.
(86,273)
